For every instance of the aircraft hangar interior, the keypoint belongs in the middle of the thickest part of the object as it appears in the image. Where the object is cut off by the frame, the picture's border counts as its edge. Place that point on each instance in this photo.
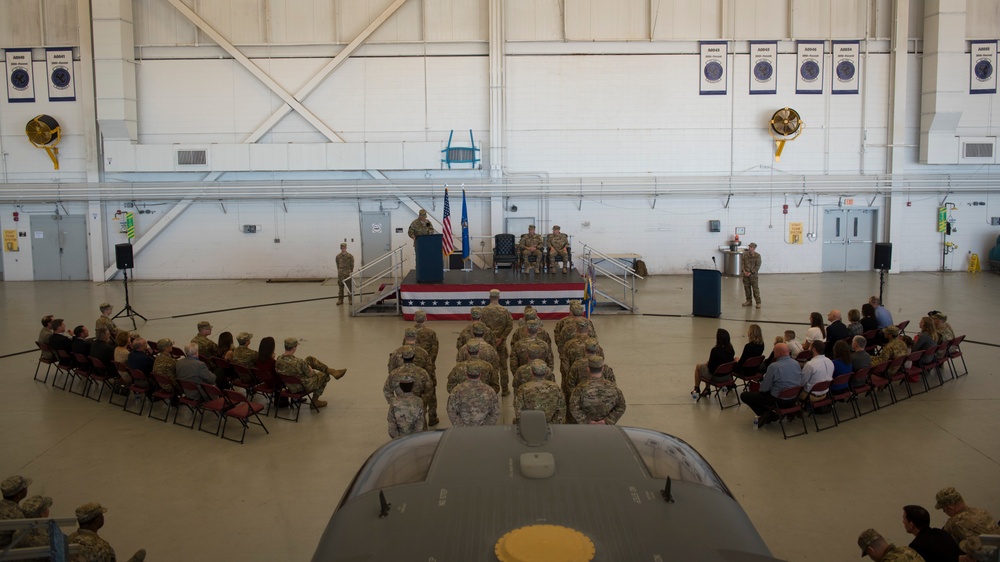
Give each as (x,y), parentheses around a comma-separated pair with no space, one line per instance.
(232,146)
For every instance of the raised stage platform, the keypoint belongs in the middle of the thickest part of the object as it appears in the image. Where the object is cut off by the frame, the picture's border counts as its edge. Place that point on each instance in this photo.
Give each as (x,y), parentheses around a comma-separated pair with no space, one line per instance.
(451,299)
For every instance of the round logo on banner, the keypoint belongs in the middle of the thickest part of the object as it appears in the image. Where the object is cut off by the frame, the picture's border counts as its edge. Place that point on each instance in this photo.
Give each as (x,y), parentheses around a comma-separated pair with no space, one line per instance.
(376,228)
(713,71)
(20,79)
(61,77)
(809,70)
(845,71)
(983,69)
(763,71)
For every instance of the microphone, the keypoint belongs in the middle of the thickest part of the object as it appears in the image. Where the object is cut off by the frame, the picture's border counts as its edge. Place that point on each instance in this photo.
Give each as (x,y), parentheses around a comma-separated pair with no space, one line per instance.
(715,264)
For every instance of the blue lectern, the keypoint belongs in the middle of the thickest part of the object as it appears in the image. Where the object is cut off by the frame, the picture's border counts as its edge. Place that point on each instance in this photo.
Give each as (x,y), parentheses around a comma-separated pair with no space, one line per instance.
(430,259)
(707,293)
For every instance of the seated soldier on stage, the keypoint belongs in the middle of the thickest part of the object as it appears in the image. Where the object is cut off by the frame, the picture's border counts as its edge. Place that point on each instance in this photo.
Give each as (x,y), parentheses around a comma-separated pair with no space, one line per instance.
(558,244)
(530,245)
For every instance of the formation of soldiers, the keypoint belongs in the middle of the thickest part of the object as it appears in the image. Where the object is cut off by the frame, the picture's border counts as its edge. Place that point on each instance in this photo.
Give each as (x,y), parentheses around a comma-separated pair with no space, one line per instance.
(493,356)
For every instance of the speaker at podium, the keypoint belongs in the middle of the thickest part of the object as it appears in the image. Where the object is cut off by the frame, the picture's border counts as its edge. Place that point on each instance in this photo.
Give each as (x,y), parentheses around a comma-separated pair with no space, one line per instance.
(430,258)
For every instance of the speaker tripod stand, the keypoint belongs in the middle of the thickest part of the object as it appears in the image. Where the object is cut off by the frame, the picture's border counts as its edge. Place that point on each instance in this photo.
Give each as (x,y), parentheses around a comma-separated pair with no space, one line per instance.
(128,311)
(881,285)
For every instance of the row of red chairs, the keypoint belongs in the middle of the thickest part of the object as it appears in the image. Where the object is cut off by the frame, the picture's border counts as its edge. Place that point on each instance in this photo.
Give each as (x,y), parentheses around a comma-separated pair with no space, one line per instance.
(917,367)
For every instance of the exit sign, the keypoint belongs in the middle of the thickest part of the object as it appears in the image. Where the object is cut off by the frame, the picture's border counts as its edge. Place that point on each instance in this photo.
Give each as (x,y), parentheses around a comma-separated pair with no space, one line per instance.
(848,201)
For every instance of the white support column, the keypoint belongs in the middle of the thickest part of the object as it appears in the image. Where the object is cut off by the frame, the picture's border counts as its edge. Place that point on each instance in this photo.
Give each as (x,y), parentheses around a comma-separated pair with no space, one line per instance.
(497,87)
(88,108)
(898,70)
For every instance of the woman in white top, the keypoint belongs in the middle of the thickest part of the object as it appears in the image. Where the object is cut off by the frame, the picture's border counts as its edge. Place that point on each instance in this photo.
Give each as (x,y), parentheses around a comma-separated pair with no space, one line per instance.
(816,331)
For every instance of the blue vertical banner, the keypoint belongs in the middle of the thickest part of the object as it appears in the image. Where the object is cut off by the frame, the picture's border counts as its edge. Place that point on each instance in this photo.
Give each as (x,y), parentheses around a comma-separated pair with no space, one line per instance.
(20,86)
(466,248)
(983,74)
(714,61)
(809,71)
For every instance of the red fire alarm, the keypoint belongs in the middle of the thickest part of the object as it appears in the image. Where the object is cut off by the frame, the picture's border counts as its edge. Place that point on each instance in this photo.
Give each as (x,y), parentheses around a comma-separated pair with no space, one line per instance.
(784,209)
(16,217)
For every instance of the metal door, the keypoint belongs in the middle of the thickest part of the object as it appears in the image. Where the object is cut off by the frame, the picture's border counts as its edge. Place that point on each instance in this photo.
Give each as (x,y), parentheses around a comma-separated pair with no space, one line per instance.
(59,247)
(848,239)
(376,236)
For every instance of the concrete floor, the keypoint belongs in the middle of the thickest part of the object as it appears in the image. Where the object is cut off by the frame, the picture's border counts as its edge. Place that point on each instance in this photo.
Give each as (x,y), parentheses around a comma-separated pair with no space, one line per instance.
(185,495)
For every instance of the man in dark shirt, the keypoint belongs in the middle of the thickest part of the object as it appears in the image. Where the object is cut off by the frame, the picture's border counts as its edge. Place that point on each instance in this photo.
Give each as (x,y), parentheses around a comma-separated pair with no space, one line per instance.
(81,341)
(104,349)
(139,358)
(934,545)
(59,341)
(835,332)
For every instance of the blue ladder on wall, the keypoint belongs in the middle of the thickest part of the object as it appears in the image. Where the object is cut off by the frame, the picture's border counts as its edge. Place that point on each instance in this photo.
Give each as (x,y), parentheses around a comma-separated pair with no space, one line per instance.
(461,154)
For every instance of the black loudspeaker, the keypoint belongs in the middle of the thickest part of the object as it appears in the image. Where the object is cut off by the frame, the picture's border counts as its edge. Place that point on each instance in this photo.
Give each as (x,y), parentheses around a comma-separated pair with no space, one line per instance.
(883,256)
(123,256)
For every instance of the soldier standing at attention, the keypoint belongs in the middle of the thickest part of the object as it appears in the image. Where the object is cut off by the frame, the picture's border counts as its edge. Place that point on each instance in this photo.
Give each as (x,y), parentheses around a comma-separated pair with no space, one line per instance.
(420,226)
(406,410)
(501,322)
(421,359)
(473,403)
(558,249)
(427,338)
(523,373)
(345,266)
(460,373)
(531,245)
(422,386)
(90,516)
(540,394)
(105,321)
(750,266)
(206,347)
(597,400)
(477,318)
(15,489)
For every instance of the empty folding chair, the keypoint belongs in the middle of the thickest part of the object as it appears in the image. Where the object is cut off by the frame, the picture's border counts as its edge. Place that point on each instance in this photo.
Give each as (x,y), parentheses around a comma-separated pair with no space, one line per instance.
(897,368)
(241,410)
(953,352)
(81,373)
(46,357)
(64,366)
(902,327)
(216,403)
(879,383)
(861,386)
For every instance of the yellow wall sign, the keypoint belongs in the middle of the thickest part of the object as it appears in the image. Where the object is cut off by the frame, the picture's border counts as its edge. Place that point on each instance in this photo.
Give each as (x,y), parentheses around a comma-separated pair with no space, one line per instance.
(794,233)
(10,241)
(942,219)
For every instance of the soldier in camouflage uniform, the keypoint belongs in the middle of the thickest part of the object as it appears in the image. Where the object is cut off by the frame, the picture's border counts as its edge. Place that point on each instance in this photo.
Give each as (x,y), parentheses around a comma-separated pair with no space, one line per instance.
(473,402)
(345,266)
(522,330)
(206,347)
(166,365)
(427,338)
(406,411)
(873,545)
(749,268)
(36,507)
(93,548)
(596,401)
(892,349)
(943,329)
(519,350)
(466,335)
(540,394)
(566,328)
(422,385)
(531,244)
(15,489)
(313,380)
(964,521)
(523,373)
(243,354)
(486,352)
(420,226)
(574,348)
(105,321)
(420,357)
(579,371)
(473,355)
(558,244)
(501,322)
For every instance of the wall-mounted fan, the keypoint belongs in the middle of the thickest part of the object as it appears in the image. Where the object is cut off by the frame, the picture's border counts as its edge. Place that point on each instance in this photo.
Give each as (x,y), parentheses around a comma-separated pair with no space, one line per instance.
(786,125)
(44,132)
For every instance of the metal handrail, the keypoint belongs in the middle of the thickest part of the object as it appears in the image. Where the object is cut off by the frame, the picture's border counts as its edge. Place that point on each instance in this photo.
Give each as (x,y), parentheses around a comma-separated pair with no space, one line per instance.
(368,275)
(626,279)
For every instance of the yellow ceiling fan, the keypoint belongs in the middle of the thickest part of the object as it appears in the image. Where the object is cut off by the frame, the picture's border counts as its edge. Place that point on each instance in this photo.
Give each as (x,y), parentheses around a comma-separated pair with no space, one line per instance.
(44,132)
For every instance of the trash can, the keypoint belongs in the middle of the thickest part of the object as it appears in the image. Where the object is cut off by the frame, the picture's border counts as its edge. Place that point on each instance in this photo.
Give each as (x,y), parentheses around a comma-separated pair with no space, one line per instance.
(731,262)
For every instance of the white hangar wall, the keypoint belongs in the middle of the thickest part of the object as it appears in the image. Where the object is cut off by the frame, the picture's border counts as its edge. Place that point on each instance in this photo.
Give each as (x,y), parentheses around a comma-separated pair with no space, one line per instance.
(593,91)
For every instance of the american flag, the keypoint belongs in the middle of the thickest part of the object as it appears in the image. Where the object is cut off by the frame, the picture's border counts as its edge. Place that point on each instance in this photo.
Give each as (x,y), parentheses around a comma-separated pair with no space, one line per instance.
(447,245)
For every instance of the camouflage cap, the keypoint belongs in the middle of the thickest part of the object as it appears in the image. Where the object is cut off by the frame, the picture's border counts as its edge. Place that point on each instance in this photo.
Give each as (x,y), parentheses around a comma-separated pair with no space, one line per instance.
(575,302)
(592,345)
(407,352)
(595,362)
(539,368)
(420,316)
(478,329)
(164,343)
(576,310)
(938,315)
(947,496)
(343,244)
(14,484)
(973,546)
(88,511)
(534,326)
(423,213)
(410,333)
(473,370)
(494,293)
(531,314)
(34,506)
(866,538)
(891,331)
(244,337)
(531,227)
(476,312)
(104,306)
(556,227)
(473,347)
(536,351)
(752,245)
(405,378)
(204,325)
(582,324)
(291,343)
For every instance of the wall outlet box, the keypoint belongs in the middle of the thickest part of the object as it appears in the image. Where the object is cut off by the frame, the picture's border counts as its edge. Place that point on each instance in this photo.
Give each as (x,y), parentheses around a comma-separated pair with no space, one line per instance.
(250,228)
(995,221)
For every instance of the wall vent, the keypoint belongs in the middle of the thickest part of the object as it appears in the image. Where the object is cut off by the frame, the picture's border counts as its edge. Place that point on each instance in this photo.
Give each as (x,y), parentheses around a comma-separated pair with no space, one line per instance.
(192,157)
(977,150)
